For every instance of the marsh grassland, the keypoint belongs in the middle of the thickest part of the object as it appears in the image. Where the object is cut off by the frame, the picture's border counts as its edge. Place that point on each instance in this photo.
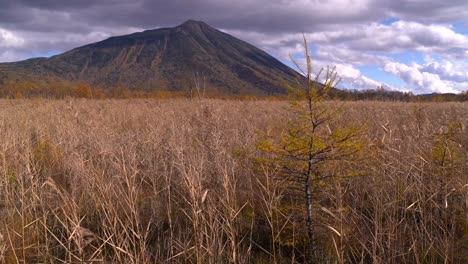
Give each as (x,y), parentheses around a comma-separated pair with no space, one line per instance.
(184,181)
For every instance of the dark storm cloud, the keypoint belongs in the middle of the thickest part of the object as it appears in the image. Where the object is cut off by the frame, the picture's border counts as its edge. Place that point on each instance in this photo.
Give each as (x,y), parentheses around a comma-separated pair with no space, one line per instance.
(429,11)
(61,4)
(260,15)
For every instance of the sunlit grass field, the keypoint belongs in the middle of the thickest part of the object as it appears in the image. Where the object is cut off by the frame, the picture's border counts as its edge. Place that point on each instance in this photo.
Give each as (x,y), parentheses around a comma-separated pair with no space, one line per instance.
(178,181)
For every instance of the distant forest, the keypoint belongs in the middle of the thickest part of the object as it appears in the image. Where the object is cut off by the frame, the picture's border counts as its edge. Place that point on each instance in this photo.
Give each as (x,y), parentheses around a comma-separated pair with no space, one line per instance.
(55,88)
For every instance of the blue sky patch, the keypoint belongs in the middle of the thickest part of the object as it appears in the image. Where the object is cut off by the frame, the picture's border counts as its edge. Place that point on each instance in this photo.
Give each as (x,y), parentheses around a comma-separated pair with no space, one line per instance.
(407,57)
(389,21)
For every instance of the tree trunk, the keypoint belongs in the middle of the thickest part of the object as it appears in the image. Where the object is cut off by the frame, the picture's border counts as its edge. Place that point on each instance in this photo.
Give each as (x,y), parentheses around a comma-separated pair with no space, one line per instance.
(309,222)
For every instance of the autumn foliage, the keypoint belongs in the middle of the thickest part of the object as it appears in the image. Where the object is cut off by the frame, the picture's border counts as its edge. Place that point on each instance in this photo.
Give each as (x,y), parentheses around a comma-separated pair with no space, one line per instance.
(55,88)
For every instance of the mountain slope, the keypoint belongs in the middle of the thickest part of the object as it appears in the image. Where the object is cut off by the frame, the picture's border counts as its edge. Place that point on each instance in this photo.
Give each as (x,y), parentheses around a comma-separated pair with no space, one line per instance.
(165,59)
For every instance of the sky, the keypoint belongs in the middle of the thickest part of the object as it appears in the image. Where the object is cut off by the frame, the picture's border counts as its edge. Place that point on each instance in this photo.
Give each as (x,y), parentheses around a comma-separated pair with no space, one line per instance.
(419,46)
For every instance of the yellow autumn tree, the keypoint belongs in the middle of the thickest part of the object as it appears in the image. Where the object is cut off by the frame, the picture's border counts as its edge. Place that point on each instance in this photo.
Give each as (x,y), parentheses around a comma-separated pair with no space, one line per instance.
(302,152)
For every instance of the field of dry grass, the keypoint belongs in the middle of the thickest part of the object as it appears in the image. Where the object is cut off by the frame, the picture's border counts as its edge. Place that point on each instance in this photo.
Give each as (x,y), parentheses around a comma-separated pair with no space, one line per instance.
(152,181)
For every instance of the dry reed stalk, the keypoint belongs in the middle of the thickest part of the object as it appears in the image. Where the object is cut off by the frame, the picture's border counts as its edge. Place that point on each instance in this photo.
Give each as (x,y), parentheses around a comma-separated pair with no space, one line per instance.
(151,181)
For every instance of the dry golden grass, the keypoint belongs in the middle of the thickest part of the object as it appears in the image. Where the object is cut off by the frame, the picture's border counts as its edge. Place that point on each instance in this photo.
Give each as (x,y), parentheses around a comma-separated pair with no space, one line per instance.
(151,181)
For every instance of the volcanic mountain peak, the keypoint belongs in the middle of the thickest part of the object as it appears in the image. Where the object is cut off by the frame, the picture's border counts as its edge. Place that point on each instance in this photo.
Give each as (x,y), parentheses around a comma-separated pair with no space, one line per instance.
(194,23)
(194,27)
(165,59)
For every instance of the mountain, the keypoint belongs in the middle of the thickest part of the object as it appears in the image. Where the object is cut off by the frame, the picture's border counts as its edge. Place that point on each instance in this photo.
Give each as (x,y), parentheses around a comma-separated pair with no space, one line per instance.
(164,59)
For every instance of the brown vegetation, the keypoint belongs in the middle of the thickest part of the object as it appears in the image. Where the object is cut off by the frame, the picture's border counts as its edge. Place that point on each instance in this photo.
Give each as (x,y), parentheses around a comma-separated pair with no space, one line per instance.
(61,89)
(151,181)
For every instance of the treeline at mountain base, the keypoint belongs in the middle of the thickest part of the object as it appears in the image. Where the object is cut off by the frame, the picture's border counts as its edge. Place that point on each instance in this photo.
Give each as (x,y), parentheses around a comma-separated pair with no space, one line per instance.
(186,181)
(55,88)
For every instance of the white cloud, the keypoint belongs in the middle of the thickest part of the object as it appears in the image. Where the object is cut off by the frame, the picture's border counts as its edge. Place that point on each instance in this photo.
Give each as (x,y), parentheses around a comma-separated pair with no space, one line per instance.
(349,76)
(396,37)
(454,71)
(9,39)
(343,55)
(353,77)
(356,46)
(368,44)
(422,80)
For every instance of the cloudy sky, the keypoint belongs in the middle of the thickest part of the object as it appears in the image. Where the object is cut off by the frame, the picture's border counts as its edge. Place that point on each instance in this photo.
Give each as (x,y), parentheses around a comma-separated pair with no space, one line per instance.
(408,45)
